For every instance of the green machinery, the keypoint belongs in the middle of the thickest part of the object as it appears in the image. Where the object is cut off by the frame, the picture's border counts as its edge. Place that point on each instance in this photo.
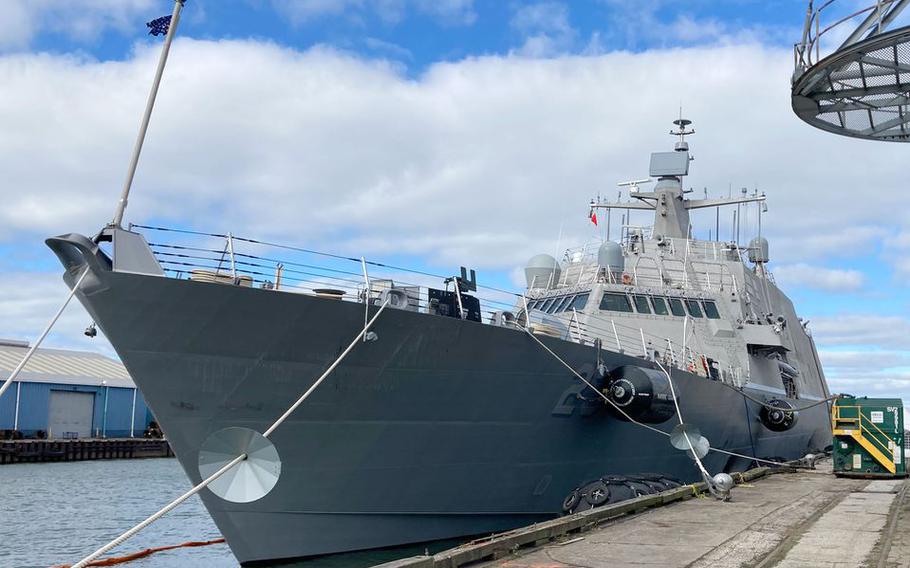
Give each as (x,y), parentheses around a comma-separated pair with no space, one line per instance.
(868,437)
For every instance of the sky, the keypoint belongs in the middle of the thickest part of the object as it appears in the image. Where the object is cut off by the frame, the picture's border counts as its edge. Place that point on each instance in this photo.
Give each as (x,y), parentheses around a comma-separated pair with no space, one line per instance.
(437,134)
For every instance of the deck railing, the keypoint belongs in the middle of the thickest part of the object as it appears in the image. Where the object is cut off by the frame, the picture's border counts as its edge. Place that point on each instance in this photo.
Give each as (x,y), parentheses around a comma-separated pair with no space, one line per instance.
(240,261)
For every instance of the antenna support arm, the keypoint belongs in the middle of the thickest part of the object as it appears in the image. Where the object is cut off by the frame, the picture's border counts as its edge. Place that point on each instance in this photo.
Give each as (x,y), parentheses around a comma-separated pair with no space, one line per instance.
(705,203)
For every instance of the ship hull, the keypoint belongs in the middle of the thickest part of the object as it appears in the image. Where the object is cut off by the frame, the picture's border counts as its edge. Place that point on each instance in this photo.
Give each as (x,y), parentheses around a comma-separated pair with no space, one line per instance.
(440,428)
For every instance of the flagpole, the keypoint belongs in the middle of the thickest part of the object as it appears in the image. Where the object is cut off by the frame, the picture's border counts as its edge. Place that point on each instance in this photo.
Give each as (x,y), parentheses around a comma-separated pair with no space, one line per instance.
(137,149)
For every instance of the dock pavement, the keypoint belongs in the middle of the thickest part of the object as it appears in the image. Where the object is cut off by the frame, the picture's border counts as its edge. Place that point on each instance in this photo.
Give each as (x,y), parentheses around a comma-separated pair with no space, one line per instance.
(798,519)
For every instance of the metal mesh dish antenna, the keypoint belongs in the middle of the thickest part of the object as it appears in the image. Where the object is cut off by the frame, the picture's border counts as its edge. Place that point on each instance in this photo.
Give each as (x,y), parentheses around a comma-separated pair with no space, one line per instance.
(860,88)
(253,478)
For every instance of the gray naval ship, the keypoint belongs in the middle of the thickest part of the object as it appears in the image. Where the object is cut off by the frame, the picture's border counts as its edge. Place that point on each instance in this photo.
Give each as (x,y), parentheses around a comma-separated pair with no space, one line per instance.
(453,420)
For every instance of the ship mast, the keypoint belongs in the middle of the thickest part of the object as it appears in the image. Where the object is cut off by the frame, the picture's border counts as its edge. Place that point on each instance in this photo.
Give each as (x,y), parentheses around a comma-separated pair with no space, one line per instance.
(667,200)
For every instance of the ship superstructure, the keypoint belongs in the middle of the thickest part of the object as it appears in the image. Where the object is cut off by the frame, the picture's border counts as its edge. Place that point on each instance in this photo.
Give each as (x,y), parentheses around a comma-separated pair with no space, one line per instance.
(707,306)
(461,412)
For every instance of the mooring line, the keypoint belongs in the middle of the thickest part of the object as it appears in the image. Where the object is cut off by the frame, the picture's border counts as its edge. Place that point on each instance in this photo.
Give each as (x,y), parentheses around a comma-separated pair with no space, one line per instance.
(641,424)
(170,506)
(44,333)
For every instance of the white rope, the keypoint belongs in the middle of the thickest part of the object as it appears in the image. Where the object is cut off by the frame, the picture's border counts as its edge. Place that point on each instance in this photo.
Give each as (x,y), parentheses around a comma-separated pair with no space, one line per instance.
(632,420)
(327,372)
(44,333)
(679,416)
(173,504)
(169,507)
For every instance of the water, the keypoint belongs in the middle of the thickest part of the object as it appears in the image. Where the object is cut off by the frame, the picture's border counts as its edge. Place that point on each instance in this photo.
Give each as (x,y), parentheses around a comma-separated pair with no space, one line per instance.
(58,513)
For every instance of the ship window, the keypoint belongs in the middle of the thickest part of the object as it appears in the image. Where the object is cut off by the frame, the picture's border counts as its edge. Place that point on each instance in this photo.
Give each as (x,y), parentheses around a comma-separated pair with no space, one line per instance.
(660,306)
(546,305)
(711,310)
(532,304)
(554,305)
(676,307)
(579,302)
(694,308)
(561,305)
(641,304)
(615,302)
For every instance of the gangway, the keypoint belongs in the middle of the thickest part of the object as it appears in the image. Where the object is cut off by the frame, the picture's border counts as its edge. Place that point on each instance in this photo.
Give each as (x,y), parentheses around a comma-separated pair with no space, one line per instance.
(860,88)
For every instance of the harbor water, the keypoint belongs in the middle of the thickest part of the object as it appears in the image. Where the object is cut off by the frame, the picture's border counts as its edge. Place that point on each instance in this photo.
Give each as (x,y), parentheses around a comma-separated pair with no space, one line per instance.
(57,513)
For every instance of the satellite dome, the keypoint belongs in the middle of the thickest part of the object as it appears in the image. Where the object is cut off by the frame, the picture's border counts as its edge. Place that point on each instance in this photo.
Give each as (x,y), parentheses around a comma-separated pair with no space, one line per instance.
(610,256)
(542,271)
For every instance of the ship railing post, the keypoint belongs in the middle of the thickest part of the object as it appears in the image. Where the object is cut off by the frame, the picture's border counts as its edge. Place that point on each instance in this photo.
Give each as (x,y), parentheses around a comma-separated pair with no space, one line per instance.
(644,346)
(18,398)
(279,270)
(230,246)
(524,301)
(133,414)
(577,325)
(616,336)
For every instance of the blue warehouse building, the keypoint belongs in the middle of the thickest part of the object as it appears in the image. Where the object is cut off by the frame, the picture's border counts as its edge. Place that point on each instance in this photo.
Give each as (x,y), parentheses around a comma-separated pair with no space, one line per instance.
(69,394)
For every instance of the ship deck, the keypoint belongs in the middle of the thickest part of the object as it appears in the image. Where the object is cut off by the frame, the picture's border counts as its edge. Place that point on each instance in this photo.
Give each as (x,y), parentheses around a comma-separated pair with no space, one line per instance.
(797,519)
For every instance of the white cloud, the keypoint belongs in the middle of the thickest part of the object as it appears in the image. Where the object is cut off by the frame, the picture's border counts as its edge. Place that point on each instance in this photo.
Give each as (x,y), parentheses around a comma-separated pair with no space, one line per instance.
(392,49)
(544,27)
(477,162)
(446,12)
(494,151)
(303,11)
(452,12)
(28,301)
(638,23)
(84,20)
(883,332)
(808,276)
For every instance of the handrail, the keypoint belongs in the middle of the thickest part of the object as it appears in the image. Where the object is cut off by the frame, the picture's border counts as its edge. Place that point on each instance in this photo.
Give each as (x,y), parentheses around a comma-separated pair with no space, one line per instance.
(252,263)
(885,445)
(881,14)
(837,416)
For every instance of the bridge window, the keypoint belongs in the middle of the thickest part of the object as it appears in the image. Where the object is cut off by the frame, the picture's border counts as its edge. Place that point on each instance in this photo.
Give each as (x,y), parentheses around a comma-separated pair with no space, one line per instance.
(615,302)
(579,302)
(532,304)
(711,310)
(676,306)
(660,306)
(694,308)
(561,305)
(641,304)
(546,305)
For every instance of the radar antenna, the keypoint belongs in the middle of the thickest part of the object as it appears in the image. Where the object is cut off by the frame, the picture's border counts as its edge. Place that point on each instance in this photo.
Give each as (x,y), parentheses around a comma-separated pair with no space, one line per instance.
(681,123)
(667,199)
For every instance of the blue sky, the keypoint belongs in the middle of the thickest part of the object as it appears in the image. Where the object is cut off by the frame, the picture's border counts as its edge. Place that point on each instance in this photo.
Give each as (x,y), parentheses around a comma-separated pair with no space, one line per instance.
(323,122)
(418,33)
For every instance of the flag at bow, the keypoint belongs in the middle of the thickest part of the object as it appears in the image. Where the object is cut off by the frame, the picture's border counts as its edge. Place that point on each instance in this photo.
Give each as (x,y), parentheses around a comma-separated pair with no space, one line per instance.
(159,26)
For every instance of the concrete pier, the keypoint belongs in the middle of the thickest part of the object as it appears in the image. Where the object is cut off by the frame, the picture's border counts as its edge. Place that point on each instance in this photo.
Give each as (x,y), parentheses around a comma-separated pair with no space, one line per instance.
(798,519)
(32,451)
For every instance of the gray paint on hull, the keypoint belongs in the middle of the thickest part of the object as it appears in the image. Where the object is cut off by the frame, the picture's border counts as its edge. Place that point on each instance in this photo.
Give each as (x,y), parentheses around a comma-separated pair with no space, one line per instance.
(441,428)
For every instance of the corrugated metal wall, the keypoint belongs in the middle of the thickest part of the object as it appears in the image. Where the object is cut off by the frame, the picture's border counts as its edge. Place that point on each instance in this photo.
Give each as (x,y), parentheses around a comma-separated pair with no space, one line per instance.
(34,405)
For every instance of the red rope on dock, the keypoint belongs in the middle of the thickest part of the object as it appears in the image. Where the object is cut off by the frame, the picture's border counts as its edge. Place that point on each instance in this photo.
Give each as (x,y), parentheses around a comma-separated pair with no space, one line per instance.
(144,553)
